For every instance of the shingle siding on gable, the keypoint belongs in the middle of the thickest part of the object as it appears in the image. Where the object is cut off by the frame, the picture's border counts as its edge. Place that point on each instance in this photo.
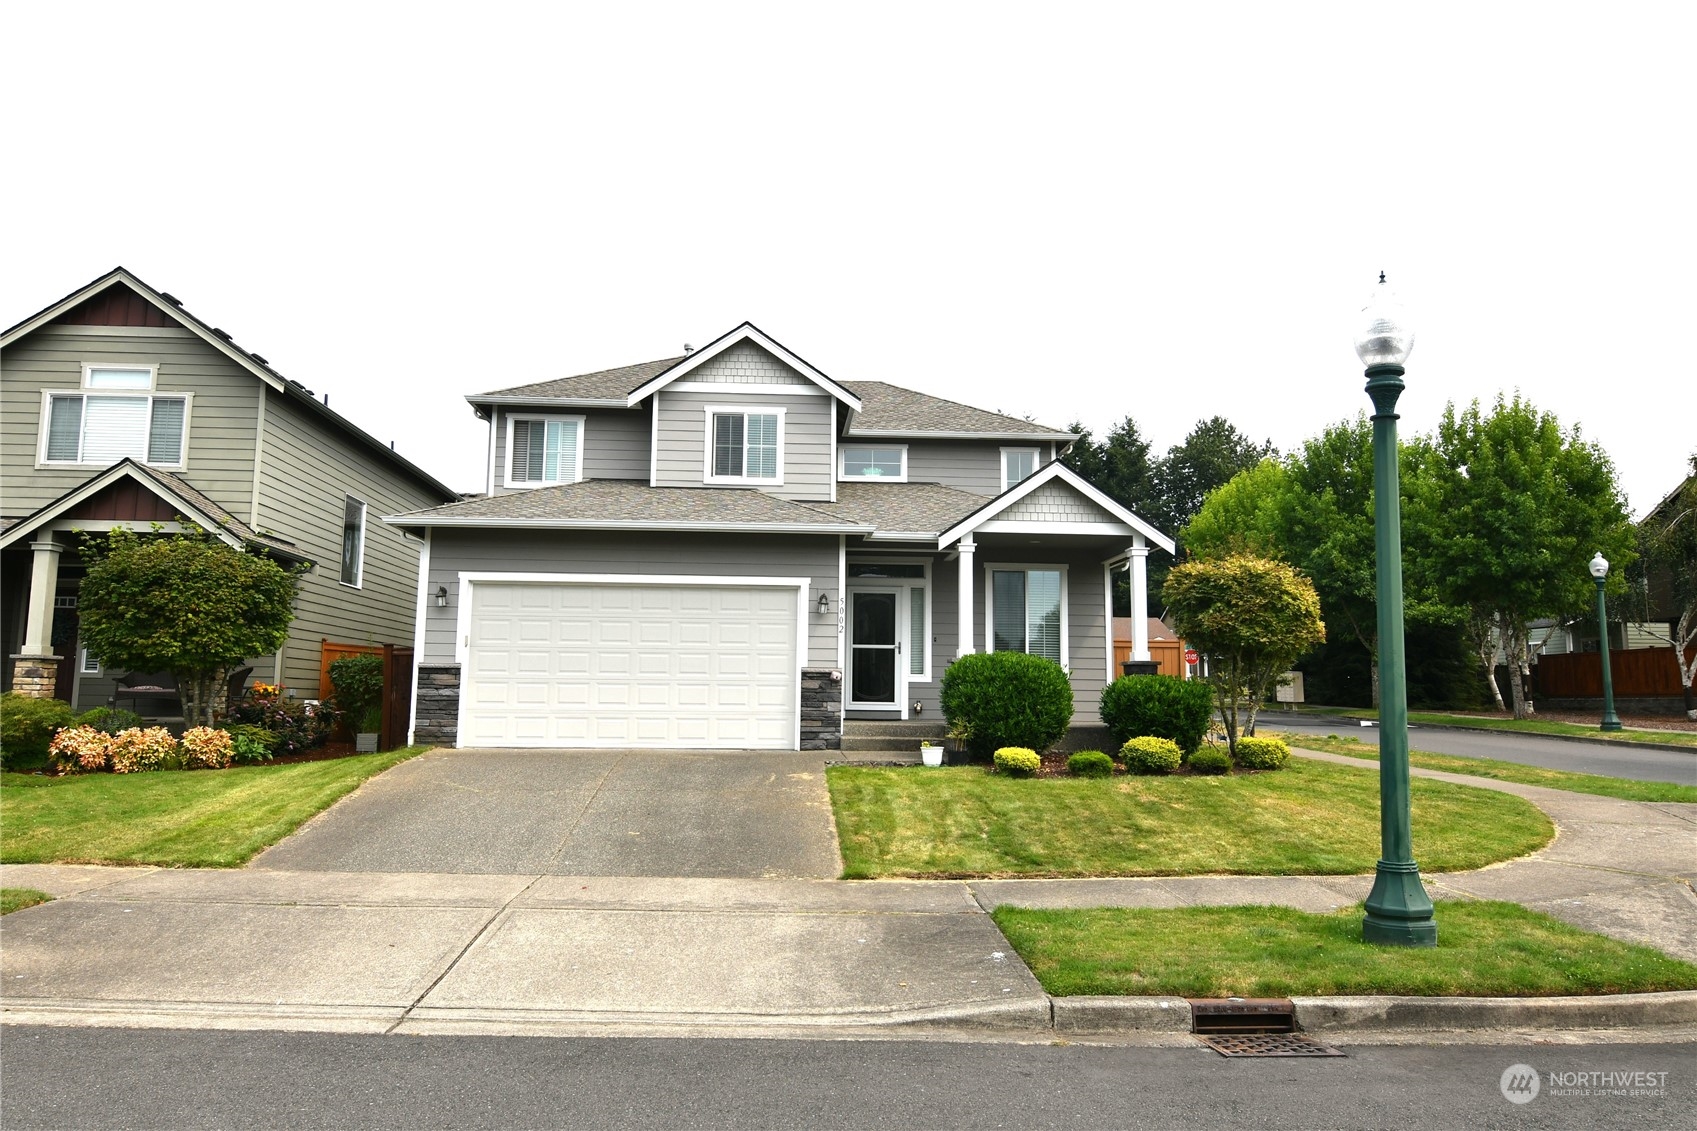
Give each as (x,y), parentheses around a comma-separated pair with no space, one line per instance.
(746,364)
(682,439)
(615,442)
(1055,503)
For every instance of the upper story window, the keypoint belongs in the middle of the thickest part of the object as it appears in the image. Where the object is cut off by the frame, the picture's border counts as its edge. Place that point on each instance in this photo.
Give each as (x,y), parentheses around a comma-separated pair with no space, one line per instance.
(1018,464)
(353,541)
(886,463)
(1028,612)
(117,416)
(544,450)
(745,445)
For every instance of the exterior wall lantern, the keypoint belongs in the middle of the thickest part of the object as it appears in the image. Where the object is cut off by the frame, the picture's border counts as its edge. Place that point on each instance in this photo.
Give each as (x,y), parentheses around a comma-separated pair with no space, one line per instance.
(824,604)
(441,596)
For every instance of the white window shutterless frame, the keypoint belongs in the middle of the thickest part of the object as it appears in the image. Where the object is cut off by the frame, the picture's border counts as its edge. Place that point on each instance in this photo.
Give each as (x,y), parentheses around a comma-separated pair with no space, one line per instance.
(1026,610)
(886,463)
(1018,465)
(353,542)
(544,451)
(745,444)
(112,420)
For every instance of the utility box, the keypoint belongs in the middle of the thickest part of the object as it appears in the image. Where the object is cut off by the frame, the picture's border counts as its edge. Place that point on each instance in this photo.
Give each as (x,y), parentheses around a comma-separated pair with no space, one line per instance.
(1289,689)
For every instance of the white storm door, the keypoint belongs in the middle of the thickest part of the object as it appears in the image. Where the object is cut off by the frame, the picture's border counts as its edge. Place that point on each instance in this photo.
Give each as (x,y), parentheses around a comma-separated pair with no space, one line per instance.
(877,675)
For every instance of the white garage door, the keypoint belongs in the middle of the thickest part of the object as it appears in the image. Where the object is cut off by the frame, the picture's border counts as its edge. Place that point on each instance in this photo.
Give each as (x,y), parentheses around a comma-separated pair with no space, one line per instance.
(564,664)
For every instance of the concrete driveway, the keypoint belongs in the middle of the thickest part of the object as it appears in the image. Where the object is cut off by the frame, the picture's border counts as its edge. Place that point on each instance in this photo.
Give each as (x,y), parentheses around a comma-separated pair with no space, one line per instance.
(739,814)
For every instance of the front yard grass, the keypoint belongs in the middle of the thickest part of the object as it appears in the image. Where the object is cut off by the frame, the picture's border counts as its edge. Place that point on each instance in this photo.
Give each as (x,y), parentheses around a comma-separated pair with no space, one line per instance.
(175,819)
(1484,949)
(1624,788)
(1310,818)
(16,899)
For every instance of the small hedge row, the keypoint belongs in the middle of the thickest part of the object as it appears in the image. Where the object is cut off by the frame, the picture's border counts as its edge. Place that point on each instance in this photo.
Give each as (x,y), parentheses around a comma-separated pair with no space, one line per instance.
(85,750)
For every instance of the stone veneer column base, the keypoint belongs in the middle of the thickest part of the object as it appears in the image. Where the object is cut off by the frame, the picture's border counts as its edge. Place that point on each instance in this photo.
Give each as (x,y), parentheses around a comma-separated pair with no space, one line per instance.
(33,676)
(821,709)
(437,722)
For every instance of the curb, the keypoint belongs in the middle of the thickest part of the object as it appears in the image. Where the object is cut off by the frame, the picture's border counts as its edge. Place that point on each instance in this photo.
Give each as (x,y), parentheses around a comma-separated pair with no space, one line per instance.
(1412,727)
(1346,1014)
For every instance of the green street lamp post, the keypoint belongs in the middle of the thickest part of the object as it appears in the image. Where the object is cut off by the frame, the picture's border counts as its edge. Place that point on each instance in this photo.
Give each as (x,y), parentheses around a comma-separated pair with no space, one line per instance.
(1399,912)
(1600,572)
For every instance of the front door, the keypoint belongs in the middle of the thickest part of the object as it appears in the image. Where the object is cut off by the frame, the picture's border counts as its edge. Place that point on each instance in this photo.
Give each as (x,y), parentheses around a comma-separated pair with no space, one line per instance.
(875,669)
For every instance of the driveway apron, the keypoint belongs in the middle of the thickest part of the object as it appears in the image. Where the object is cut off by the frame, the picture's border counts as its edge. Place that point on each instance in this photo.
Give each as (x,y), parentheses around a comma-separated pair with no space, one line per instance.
(737,814)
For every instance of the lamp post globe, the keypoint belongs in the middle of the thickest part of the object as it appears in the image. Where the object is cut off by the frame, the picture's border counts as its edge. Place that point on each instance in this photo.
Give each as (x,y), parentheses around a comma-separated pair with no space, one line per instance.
(1399,912)
(1600,574)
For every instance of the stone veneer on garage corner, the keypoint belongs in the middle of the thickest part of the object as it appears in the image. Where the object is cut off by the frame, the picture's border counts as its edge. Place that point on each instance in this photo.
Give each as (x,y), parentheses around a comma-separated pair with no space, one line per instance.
(821,709)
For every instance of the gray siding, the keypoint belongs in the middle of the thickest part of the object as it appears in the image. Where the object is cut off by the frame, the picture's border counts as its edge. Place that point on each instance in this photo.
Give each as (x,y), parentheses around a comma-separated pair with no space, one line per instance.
(966,465)
(807,469)
(615,442)
(223,415)
(1056,502)
(746,364)
(566,553)
(307,474)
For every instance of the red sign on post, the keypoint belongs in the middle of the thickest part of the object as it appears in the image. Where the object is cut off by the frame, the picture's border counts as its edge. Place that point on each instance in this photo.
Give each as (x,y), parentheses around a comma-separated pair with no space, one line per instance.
(1191,655)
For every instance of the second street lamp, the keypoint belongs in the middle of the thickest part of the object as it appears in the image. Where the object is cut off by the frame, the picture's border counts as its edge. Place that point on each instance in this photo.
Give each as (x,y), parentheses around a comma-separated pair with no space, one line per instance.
(1399,912)
(1600,571)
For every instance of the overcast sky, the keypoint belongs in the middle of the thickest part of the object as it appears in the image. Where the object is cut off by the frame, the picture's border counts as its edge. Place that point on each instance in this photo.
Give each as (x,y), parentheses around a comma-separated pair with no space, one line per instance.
(1066,211)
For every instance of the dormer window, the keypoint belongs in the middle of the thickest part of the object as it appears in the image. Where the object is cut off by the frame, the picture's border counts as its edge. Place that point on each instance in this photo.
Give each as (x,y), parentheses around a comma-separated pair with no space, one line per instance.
(1018,465)
(543,451)
(888,463)
(745,445)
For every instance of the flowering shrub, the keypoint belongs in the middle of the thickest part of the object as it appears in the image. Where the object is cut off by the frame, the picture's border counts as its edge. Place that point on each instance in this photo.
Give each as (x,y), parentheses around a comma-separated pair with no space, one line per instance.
(205,747)
(141,748)
(298,725)
(80,750)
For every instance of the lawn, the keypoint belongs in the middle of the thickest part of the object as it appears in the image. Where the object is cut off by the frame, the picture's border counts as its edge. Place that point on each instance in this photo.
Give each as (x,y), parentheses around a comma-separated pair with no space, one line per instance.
(1310,818)
(1624,788)
(1484,949)
(176,819)
(16,899)
(1521,726)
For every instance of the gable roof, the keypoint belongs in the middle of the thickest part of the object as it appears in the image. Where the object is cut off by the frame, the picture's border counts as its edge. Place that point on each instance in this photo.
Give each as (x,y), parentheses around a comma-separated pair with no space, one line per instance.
(175,314)
(182,496)
(890,410)
(1051,473)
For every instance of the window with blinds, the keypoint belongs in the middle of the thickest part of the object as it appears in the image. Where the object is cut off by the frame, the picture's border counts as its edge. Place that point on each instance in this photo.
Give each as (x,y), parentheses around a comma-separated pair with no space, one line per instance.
(1025,612)
(90,428)
(917,638)
(544,451)
(745,445)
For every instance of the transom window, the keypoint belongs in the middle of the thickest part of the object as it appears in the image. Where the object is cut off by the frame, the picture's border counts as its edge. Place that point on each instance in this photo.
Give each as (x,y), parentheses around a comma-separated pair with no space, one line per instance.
(886,463)
(89,428)
(1018,464)
(544,450)
(1027,612)
(744,445)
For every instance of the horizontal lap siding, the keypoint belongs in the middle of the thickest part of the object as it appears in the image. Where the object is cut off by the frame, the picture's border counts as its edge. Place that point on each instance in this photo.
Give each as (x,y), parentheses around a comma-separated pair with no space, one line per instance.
(306,476)
(566,553)
(615,443)
(966,465)
(223,416)
(682,458)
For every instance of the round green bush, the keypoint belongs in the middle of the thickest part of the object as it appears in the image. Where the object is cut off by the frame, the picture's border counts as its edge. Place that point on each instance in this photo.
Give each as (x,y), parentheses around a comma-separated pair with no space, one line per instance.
(1158,705)
(1261,753)
(1090,764)
(1211,760)
(110,720)
(27,725)
(1150,755)
(1007,699)
(1017,761)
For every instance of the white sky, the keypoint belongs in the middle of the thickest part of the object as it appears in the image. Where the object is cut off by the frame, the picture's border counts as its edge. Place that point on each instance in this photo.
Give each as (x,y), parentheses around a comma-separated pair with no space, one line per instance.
(1060,210)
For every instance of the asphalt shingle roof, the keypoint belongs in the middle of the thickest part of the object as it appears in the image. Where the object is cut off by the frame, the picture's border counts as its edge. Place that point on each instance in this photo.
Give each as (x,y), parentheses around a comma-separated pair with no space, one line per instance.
(633,500)
(605,384)
(891,408)
(903,508)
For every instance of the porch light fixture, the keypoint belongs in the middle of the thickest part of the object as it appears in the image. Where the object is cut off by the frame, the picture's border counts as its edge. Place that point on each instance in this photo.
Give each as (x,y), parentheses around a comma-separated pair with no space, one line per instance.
(1399,912)
(1600,574)
(824,604)
(441,596)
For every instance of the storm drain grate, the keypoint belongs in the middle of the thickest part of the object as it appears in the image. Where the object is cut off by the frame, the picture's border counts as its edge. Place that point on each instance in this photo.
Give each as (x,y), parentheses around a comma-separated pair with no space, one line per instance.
(1266,1044)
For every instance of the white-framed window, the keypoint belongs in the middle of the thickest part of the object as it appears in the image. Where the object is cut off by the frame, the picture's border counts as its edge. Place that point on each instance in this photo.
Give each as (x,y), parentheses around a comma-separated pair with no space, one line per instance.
(117,417)
(87,663)
(1018,464)
(353,541)
(745,445)
(886,463)
(543,451)
(1026,610)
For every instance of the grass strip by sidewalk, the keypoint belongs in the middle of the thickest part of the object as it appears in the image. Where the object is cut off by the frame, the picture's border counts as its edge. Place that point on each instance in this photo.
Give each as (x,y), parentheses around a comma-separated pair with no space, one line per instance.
(16,899)
(173,818)
(1310,818)
(1624,788)
(1517,726)
(1485,949)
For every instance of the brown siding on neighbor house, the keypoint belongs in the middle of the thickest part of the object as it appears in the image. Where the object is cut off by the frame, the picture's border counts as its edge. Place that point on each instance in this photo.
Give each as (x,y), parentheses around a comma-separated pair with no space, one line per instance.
(117,305)
(126,501)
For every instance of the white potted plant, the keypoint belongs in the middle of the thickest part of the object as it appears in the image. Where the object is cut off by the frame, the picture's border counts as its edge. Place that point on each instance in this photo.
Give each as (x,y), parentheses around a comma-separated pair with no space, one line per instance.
(929,754)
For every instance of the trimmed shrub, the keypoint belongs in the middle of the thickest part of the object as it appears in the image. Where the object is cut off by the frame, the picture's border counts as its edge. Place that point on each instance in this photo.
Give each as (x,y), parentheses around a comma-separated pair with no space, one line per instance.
(27,726)
(80,750)
(249,743)
(358,681)
(1261,753)
(110,720)
(142,748)
(1210,760)
(1017,761)
(1151,755)
(1007,699)
(1158,705)
(1090,764)
(205,748)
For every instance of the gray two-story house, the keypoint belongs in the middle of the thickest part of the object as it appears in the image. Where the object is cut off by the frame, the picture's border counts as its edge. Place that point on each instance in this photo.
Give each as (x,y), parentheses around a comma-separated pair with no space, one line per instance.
(120,408)
(730,549)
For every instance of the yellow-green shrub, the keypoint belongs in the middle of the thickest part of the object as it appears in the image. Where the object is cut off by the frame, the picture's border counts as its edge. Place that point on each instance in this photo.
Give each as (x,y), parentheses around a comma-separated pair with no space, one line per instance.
(1017,761)
(1261,753)
(1150,755)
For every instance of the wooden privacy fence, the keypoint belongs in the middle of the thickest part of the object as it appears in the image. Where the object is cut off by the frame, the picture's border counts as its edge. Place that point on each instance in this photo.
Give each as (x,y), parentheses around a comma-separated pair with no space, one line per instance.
(1636,673)
(397,684)
(1169,654)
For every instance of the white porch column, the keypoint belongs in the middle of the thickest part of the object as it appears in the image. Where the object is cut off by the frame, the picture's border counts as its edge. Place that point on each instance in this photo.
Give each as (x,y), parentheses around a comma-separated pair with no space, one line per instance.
(43,582)
(1139,602)
(967,550)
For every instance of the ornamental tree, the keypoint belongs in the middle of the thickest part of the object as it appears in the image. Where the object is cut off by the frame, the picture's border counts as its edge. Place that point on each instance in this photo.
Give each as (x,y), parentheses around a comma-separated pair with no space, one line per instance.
(1251,618)
(186,604)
